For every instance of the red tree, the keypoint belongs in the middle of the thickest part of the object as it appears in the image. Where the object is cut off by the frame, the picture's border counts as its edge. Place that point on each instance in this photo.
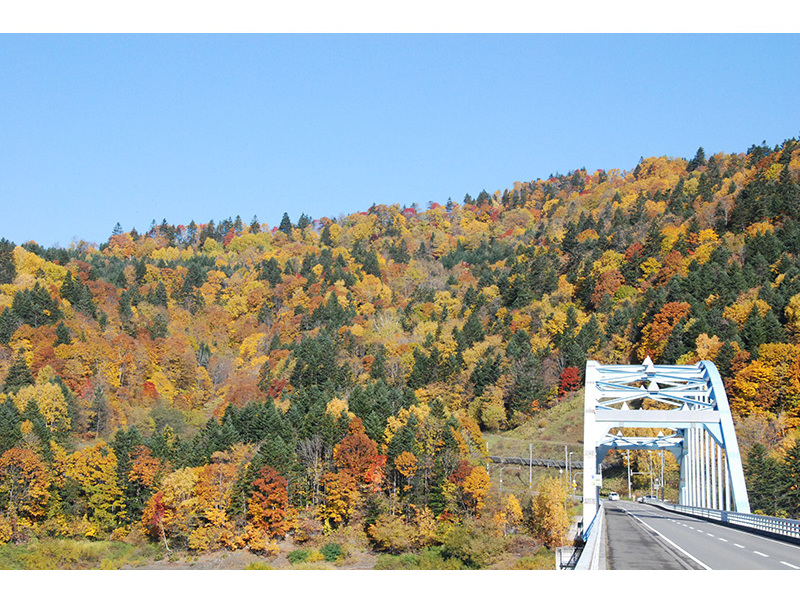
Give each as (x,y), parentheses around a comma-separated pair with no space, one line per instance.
(570,380)
(269,503)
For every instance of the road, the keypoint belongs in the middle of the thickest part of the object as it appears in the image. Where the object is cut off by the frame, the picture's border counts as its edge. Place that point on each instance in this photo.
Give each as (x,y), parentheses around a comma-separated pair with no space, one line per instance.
(647,537)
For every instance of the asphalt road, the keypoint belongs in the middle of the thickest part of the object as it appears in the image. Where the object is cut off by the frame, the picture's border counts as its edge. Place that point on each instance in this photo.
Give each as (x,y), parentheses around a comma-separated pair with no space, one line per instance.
(647,537)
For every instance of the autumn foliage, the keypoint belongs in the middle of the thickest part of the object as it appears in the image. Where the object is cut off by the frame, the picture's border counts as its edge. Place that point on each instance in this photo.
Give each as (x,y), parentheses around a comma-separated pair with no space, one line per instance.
(224,384)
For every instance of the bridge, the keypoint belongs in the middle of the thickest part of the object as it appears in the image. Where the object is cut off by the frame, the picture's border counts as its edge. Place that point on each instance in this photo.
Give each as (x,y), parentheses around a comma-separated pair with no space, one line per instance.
(710,526)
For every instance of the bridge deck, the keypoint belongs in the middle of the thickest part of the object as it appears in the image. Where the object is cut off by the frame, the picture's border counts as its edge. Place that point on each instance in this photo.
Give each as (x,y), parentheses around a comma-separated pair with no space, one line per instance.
(643,536)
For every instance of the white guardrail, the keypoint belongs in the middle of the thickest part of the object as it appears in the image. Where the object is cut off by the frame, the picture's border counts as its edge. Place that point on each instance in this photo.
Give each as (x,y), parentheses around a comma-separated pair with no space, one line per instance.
(780,526)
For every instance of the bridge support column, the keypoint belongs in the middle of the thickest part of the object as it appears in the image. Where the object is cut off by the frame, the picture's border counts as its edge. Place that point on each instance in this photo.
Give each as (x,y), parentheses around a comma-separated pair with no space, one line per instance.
(591,468)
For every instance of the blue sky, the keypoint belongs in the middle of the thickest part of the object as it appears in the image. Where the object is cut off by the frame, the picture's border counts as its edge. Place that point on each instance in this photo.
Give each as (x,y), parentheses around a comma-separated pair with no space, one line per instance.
(100,129)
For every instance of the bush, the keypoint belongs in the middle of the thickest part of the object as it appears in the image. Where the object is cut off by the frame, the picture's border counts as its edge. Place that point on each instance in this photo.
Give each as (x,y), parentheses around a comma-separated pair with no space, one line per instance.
(392,534)
(429,559)
(474,546)
(332,552)
(397,562)
(432,559)
(298,556)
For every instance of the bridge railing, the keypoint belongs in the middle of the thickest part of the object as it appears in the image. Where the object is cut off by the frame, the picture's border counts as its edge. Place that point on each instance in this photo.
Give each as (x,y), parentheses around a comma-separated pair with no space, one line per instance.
(592,555)
(779,526)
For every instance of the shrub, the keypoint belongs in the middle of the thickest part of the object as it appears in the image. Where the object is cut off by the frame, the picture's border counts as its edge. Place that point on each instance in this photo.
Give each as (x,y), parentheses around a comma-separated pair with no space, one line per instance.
(474,546)
(332,552)
(429,559)
(397,562)
(391,533)
(298,556)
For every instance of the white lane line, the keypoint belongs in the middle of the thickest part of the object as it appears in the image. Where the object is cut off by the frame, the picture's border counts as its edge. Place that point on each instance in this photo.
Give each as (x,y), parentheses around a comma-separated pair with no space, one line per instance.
(710,534)
(739,545)
(723,540)
(790,565)
(689,555)
(760,553)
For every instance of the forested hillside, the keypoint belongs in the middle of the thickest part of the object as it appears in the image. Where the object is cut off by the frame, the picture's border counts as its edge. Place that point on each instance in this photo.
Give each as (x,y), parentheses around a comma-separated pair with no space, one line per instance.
(226,385)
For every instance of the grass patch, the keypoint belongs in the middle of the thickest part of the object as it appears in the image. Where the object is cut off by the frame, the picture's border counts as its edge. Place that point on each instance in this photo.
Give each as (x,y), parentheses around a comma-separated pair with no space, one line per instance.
(63,554)
(428,559)
(544,559)
(259,565)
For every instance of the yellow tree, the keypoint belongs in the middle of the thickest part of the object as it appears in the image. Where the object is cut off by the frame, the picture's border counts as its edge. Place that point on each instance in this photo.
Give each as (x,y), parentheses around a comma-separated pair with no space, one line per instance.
(406,465)
(24,483)
(341,497)
(476,487)
(213,490)
(172,510)
(511,514)
(550,519)
(95,470)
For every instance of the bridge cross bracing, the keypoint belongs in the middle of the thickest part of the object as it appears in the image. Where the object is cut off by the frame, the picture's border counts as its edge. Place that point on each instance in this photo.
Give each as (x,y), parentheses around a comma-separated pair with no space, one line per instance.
(688,402)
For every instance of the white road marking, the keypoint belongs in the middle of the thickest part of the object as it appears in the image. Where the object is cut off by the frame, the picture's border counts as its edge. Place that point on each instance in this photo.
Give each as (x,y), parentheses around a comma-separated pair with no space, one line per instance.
(760,553)
(692,557)
(739,545)
(790,565)
(723,540)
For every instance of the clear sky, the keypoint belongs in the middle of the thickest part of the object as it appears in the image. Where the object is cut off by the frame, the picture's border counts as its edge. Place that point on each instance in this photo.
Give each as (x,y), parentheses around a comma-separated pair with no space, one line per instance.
(100,129)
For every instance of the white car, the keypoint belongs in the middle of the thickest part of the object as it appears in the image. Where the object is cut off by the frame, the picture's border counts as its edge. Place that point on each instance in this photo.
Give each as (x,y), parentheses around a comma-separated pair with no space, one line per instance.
(613,496)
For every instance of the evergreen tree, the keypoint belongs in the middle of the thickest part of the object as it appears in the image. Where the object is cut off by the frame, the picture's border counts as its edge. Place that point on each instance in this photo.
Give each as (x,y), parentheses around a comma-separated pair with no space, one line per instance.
(8,270)
(36,307)
(100,413)
(378,368)
(9,323)
(698,161)
(62,335)
(790,475)
(78,295)
(19,375)
(303,221)
(10,432)
(286,225)
(763,477)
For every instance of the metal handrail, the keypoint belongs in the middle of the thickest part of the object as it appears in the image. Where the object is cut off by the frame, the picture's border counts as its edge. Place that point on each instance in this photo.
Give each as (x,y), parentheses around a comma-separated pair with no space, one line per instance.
(782,526)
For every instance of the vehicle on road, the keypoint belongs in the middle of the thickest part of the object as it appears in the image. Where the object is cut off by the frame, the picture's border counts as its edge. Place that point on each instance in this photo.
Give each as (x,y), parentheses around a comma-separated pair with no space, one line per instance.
(613,496)
(646,498)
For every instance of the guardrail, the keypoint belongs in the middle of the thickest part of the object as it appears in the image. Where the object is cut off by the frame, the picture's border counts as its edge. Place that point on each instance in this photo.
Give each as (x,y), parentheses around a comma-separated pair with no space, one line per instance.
(786,529)
(592,555)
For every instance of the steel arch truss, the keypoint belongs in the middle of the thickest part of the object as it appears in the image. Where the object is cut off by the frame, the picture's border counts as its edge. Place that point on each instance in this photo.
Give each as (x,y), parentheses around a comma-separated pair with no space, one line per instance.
(688,401)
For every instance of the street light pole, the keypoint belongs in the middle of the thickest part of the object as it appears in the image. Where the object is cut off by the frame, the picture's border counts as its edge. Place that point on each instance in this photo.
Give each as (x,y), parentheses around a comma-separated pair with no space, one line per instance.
(630,494)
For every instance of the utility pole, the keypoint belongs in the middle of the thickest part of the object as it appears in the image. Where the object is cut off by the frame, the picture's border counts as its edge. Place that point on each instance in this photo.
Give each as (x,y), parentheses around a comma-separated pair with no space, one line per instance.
(569,470)
(530,466)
